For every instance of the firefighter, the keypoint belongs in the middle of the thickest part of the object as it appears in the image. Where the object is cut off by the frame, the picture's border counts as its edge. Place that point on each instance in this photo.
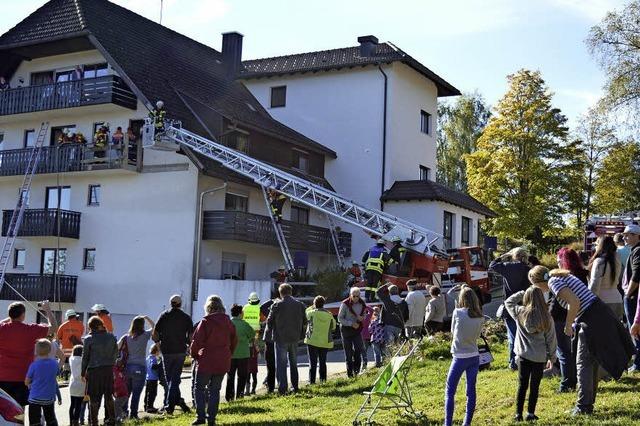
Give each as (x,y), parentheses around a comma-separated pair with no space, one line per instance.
(355,274)
(375,262)
(279,277)
(251,311)
(276,201)
(158,115)
(100,140)
(397,254)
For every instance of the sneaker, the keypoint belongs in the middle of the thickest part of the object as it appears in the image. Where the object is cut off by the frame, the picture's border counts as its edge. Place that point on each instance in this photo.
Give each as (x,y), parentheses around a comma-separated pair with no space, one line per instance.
(199,422)
(531,417)
(517,418)
(151,410)
(578,412)
(633,369)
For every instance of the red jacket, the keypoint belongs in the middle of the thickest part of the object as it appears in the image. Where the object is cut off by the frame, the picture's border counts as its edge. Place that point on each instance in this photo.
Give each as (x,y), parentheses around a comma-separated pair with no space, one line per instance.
(213,343)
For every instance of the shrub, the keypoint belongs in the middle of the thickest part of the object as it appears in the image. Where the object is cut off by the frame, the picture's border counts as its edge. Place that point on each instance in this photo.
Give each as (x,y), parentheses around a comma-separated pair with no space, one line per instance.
(331,283)
(549,260)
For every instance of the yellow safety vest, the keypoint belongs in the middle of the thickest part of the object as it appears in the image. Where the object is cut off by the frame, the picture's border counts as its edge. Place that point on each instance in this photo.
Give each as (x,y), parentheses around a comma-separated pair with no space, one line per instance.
(375,264)
(252,315)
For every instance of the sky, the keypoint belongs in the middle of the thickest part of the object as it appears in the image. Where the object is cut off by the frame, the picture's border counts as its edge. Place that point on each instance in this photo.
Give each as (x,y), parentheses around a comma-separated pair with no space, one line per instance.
(473,44)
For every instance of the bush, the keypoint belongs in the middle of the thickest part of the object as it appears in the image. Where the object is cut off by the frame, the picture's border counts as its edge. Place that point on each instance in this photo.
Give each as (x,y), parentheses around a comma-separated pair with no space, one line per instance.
(549,260)
(331,283)
(495,331)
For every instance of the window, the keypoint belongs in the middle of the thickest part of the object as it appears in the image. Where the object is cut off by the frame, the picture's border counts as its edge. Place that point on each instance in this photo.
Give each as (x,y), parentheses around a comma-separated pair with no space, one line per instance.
(51,257)
(89,261)
(447,230)
(236,203)
(94,195)
(425,173)
(425,122)
(300,215)
(96,70)
(58,196)
(233,266)
(38,78)
(19,257)
(238,141)
(29,138)
(57,132)
(278,96)
(63,76)
(466,231)
(301,160)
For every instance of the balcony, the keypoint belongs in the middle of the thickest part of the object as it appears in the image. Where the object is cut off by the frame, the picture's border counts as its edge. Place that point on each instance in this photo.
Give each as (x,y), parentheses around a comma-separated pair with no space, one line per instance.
(254,228)
(70,157)
(37,287)
(44,223)
(67,94)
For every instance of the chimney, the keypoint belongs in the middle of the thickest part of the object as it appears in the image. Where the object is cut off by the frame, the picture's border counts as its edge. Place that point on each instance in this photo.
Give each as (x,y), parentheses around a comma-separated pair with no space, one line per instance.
(232,52)
(368,45)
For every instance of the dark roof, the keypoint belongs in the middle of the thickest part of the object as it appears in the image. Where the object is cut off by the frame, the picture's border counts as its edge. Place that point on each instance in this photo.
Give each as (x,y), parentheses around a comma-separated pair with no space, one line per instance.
(348,57)
(159,62)
(404,190)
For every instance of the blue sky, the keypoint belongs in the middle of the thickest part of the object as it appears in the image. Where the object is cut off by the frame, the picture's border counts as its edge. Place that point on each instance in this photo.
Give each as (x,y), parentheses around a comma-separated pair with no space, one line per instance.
(473,44)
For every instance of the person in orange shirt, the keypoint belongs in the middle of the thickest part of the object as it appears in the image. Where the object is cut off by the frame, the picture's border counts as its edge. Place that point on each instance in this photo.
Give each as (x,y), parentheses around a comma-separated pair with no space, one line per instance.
(69,334)
(102,312)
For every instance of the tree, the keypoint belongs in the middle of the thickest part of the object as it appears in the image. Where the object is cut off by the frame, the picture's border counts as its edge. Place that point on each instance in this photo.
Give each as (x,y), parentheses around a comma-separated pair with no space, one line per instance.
(459,128)
(615,43)
(521,159)
(617,188)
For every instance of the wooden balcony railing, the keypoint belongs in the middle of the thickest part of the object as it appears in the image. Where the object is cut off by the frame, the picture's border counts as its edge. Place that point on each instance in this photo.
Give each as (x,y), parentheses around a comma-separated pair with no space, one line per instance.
(38,287)
(67,94)
(254,228)
(44,223)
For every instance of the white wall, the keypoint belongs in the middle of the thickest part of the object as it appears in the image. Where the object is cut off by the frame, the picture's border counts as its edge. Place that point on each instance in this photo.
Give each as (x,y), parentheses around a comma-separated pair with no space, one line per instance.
(52,63)
(231,291)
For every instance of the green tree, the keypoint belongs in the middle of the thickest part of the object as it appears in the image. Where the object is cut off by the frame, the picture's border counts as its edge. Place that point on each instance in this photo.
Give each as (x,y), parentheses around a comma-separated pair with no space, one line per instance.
(617,188)
(615,43)
(521,159)
(459,128)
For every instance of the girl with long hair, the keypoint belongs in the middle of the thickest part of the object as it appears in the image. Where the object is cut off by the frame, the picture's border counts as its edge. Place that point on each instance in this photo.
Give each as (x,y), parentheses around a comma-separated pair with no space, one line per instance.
(534,345)
(605,273)
(466,326)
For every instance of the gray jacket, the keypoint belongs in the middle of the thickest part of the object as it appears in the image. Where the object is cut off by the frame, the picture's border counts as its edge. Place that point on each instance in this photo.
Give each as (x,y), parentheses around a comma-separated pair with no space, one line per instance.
(100,350)
(532,346)
(287,320)
(346,318)
(465,332)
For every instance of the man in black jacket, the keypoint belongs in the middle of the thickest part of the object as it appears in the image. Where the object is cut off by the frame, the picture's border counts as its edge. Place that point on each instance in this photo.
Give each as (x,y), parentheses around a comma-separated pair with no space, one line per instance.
(394,312)
(270,349)
(630,280)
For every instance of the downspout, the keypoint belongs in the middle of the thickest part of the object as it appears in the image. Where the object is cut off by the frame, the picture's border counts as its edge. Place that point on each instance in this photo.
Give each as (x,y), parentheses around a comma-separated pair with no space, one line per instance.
(384,137)
(198,245)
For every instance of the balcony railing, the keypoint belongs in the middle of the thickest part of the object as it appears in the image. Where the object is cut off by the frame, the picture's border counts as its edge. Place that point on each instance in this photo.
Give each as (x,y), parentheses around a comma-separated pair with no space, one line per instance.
(37,287)
(254,228)
(67,94)
(70,157)
(44,223)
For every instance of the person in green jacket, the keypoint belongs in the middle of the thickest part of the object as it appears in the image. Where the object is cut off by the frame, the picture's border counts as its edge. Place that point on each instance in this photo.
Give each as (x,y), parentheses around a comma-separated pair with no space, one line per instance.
(319,338)
(240,357)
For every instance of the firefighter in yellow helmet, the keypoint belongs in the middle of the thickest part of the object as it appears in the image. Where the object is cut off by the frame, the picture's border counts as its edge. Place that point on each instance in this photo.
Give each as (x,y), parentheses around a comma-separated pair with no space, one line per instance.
(158,115)
(398,254)
(276,202)
(375,260)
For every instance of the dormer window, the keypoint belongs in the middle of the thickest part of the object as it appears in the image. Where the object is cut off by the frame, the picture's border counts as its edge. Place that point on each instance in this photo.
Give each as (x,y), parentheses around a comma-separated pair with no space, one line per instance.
(301,160)
(278,96)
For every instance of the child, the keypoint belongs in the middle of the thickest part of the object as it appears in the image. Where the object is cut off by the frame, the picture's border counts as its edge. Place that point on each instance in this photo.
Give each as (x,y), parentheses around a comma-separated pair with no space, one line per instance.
(76,385)
(42,384)
(366,336)
(535,343)
(252,367)
(120,391)
(466,326)
(376,334)
(151,388)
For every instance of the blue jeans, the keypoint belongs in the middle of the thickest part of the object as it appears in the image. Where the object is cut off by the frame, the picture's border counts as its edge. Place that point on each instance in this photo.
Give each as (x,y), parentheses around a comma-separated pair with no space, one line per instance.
(284,352)
(469,366)
(136,376)
(377,353)
(391,334)
(173,364)
(512,328)
(630,306)
(208,385)
(566,358)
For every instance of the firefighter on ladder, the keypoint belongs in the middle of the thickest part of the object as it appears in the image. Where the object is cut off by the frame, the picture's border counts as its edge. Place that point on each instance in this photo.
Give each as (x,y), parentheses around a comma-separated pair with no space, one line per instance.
(397,254)
(276,202)
(279,277)
(375,262)
(157,115)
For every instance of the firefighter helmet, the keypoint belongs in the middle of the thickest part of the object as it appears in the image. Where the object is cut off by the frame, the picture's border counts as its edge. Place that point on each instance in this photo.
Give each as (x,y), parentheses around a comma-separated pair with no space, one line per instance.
(159,104)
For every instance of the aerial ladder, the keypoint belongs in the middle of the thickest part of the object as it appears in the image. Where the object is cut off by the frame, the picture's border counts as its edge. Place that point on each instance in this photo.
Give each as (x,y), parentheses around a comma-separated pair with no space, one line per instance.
(23,201)
(375,222)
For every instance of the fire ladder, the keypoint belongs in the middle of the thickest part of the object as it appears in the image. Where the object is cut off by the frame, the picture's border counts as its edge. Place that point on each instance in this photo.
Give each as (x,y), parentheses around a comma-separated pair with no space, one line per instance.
(23,201)
(375,222)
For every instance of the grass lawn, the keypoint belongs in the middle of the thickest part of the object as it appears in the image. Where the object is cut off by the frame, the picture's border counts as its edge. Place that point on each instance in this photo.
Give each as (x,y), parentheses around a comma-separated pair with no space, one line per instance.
(336,402)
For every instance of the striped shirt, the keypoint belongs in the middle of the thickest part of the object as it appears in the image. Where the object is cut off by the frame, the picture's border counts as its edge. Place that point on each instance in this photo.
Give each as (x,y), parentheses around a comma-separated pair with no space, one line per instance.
(582,292)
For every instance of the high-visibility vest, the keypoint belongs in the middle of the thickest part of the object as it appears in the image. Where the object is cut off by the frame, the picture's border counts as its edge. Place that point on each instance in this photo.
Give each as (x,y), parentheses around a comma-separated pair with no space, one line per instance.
(252,315)
(375,263)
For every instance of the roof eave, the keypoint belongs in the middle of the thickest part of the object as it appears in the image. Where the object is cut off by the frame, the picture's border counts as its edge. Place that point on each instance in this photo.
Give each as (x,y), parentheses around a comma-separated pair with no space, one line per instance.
(487,213)
(76,34)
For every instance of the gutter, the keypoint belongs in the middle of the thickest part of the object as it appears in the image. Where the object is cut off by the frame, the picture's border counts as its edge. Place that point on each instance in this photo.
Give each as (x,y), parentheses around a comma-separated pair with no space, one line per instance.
(384,137)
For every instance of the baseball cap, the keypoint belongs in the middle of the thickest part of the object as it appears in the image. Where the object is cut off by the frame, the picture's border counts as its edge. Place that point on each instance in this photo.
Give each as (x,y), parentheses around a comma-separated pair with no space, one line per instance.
(70,313)
(632,229)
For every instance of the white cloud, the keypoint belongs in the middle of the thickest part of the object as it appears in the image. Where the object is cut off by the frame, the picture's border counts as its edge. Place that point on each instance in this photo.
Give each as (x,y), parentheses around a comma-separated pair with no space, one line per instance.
(455,17)
(585,97)
(592,10)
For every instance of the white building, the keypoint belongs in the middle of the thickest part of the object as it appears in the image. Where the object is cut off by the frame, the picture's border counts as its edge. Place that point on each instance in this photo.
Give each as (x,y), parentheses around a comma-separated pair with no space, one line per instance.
(376,106)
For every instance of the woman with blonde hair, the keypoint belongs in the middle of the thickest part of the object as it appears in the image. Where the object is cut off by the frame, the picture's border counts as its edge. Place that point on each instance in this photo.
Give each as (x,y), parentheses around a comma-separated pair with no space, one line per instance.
(534,345)
(466,326)
(602,339)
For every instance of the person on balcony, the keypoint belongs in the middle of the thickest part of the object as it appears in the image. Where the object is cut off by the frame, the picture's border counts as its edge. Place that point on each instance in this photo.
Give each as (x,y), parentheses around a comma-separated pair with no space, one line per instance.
(4,84)
(77,73)
(100,141)
(118,137)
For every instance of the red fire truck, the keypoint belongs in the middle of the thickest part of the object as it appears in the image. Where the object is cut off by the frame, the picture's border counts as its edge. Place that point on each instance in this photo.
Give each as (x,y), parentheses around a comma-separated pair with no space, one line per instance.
(606,225)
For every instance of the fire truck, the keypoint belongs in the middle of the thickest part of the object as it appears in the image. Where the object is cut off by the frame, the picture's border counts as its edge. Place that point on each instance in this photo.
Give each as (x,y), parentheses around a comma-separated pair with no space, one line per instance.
(606,225)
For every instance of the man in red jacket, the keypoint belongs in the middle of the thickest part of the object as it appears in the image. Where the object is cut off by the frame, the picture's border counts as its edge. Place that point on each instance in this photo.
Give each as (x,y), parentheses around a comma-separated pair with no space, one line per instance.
(213,344)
